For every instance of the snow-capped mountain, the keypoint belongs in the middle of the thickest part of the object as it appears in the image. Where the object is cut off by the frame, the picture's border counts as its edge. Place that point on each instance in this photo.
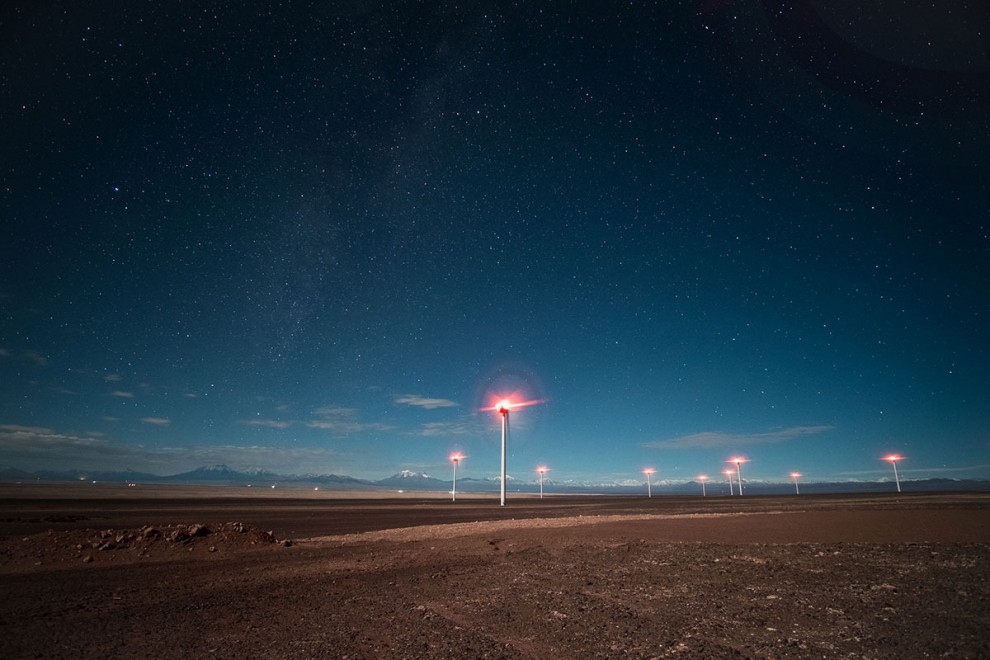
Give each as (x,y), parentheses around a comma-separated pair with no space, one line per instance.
(407,479)
(221,473)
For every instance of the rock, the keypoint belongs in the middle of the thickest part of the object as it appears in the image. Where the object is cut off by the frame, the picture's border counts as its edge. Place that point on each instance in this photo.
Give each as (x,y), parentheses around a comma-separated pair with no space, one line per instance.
(198,530)
(178,535)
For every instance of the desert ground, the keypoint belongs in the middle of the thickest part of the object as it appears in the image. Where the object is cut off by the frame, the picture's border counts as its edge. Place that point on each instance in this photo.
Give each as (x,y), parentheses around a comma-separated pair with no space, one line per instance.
(112,571)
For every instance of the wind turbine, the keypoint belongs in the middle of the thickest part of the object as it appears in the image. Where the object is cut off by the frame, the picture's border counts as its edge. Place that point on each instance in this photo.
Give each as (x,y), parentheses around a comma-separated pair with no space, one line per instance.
(738,460)
(703,478)
(542,470)
(794,476)
(502,408)
(456,458)
(893,458)
(649,487)
(728,473)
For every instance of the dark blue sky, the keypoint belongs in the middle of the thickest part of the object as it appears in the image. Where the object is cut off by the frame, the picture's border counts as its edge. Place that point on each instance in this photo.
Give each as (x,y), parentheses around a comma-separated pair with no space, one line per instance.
(319,237)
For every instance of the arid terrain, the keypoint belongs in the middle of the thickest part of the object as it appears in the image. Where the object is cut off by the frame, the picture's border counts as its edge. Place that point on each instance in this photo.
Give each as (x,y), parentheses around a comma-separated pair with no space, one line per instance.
(208,572)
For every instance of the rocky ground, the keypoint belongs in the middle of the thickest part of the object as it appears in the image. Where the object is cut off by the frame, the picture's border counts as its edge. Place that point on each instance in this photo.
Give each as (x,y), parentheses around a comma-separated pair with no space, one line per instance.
(632,585)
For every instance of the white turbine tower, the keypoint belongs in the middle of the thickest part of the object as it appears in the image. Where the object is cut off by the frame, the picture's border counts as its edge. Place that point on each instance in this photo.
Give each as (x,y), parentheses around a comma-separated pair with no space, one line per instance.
(502,408)
(893,458)
(649,487)
(542,470)
(455,458)
(739,460)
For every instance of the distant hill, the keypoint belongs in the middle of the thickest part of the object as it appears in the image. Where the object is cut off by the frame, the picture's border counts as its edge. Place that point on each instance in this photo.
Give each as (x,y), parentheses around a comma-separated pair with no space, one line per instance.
(408,480)
(220,474)
(128,476)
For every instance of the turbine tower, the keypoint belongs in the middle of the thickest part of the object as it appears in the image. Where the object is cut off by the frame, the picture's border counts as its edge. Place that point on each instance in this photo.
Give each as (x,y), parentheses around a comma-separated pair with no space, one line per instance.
(893,458)
(503,410)
(456,458)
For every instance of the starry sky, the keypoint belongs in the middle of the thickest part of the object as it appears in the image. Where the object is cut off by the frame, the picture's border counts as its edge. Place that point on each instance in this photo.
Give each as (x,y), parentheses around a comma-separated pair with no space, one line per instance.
(321,237)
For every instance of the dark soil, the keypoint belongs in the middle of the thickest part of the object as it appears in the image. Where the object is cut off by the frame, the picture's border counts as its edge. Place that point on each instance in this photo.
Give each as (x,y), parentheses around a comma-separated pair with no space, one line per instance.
(850,581)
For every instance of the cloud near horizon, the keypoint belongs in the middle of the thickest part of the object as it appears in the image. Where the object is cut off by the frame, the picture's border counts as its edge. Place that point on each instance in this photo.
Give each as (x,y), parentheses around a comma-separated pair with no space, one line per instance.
(425,402)
(32,448)
(713,440)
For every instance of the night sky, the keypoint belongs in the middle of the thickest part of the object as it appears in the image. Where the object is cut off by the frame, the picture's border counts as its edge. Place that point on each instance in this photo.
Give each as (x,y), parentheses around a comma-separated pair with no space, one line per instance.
(320,237)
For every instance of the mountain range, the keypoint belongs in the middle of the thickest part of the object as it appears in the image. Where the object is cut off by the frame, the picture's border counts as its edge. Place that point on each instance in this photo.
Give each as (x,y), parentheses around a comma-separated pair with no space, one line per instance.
(406,480)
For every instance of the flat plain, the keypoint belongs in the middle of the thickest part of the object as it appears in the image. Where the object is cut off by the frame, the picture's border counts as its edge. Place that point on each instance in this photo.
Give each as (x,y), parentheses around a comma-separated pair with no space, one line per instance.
(93,570)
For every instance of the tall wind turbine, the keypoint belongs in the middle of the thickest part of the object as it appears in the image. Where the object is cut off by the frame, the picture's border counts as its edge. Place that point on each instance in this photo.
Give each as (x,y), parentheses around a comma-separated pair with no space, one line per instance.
(739,460)
(456,458)
(649,487)
(893,458)
(502,408)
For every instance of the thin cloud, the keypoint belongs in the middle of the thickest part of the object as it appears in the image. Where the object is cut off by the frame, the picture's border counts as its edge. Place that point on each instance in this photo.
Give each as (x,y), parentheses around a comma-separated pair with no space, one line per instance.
(37,358)
(334,411)
(17,428)
(424,402)
(36,441)
(269,423)
(444,429)
(122,394)
(346,427)
(713,440)
(343,421)
(156,421)
(113,378)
